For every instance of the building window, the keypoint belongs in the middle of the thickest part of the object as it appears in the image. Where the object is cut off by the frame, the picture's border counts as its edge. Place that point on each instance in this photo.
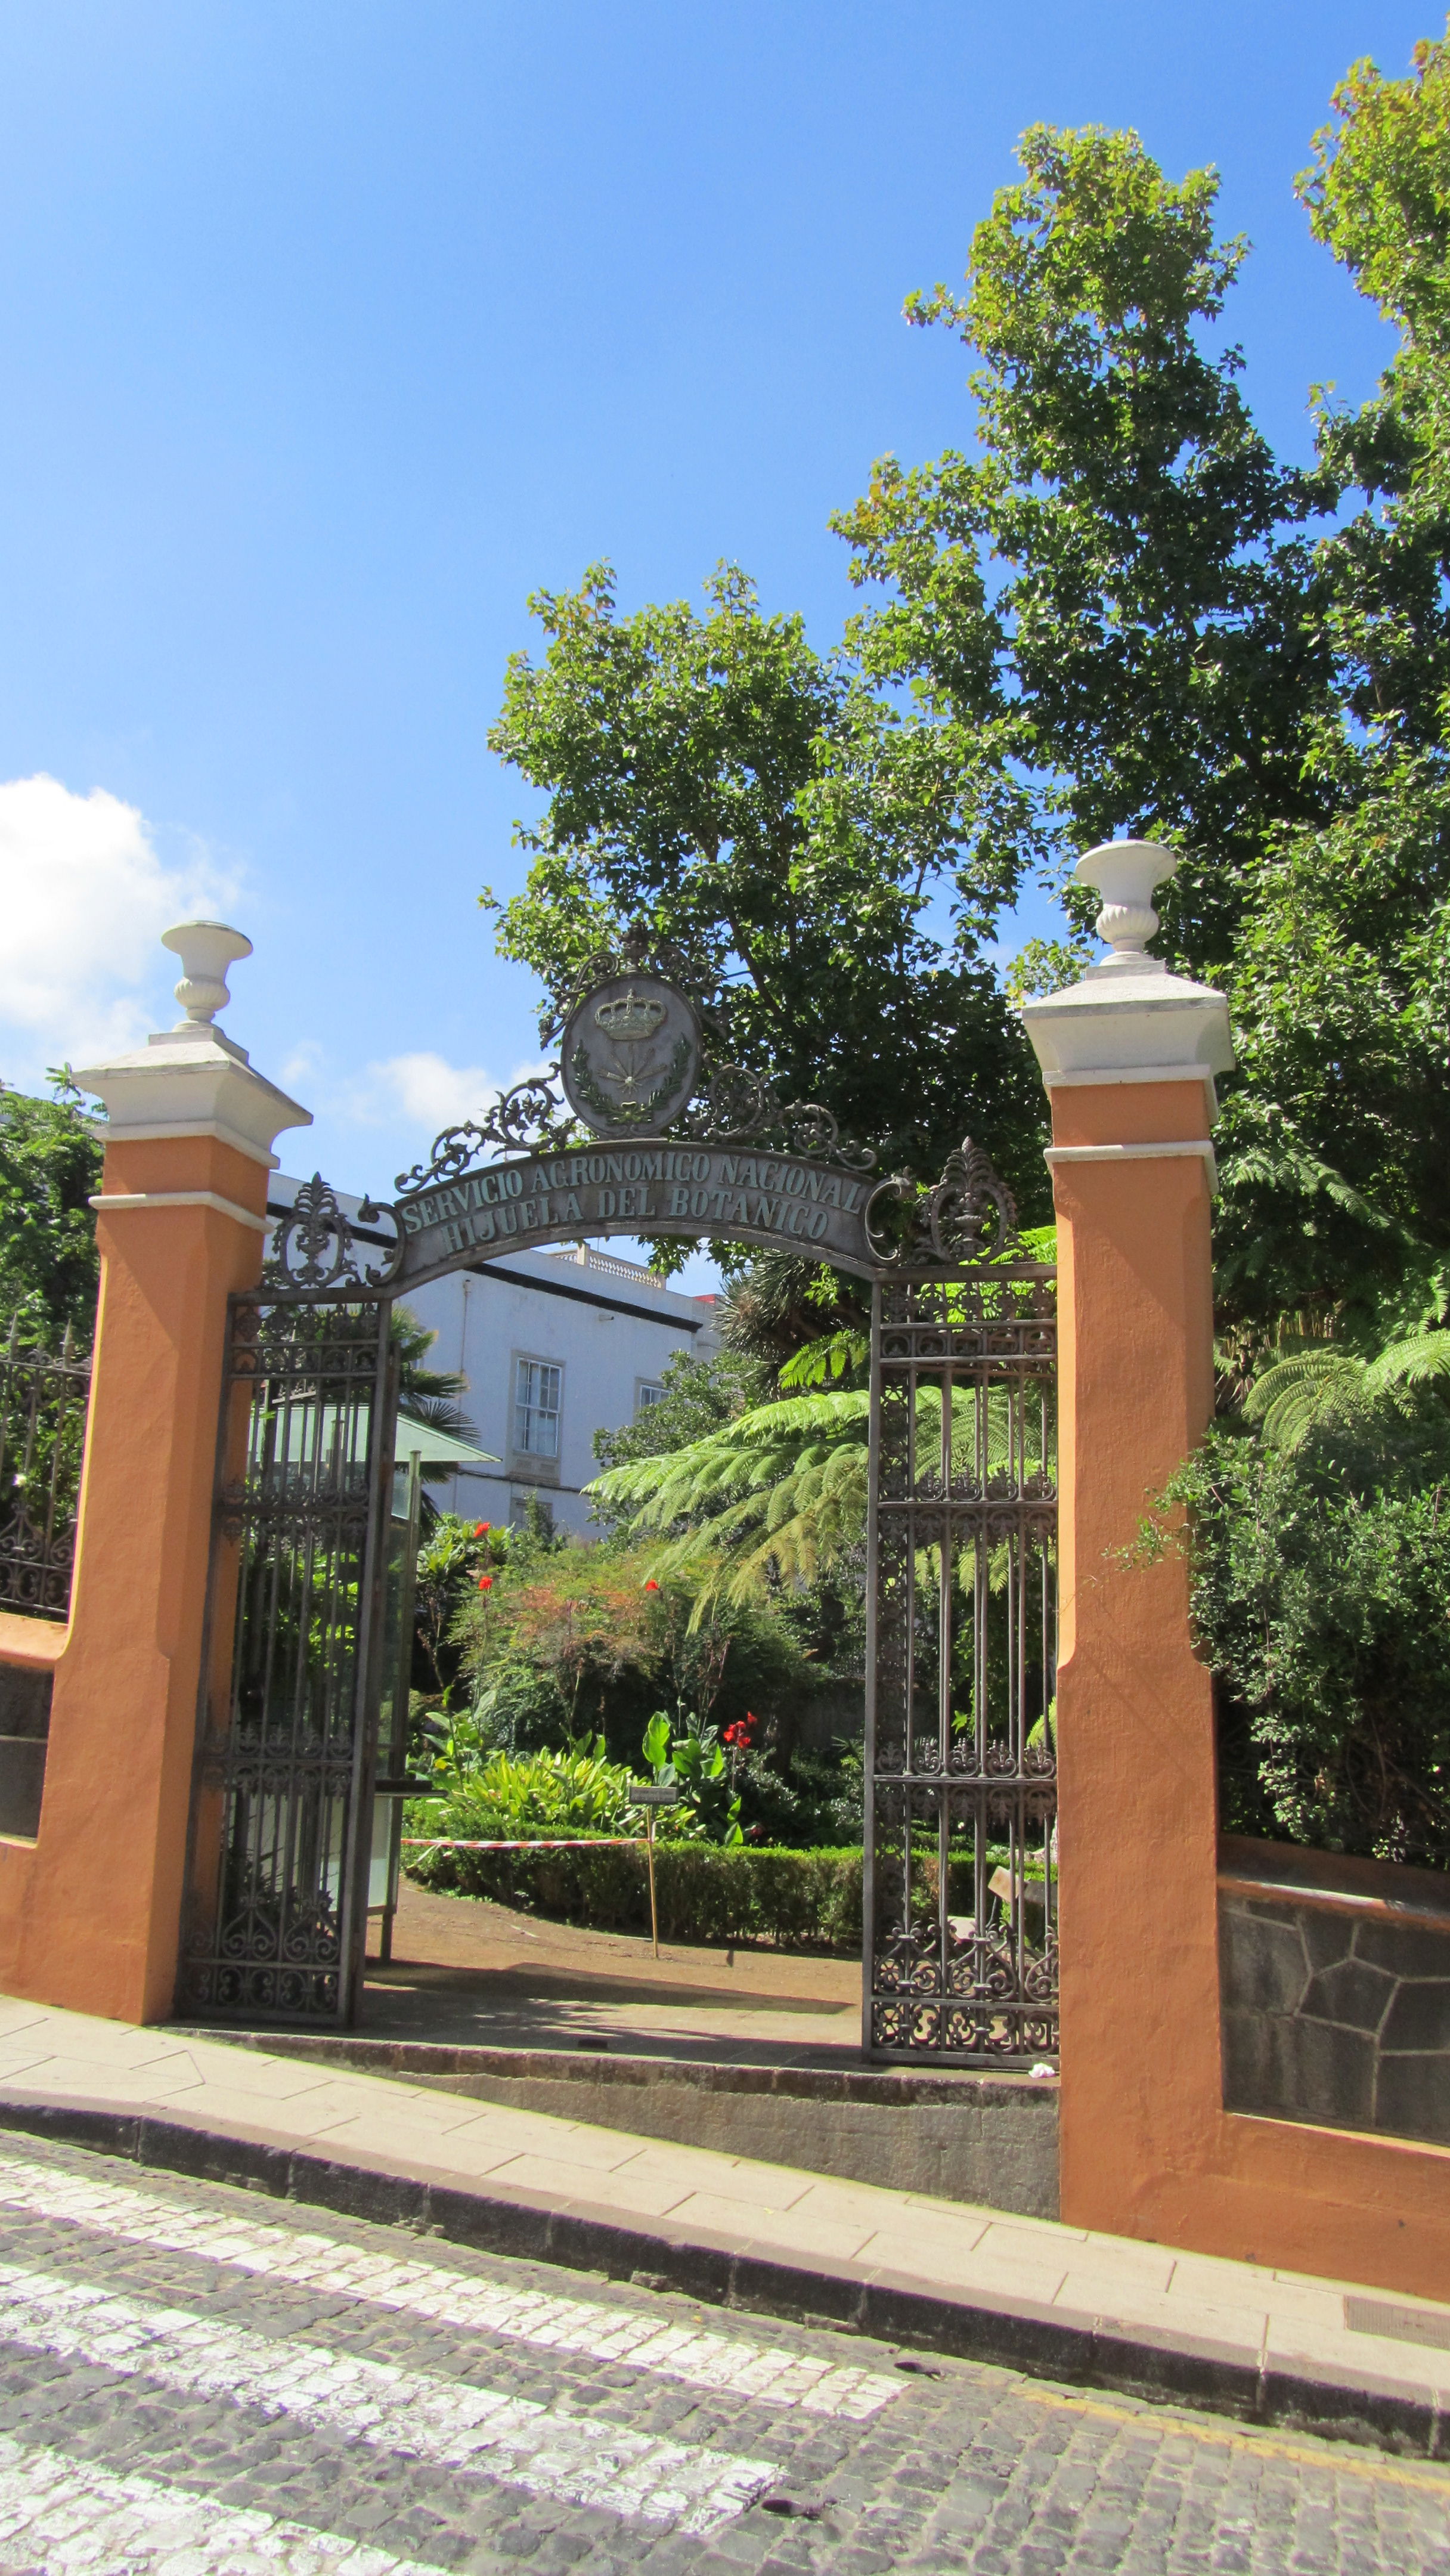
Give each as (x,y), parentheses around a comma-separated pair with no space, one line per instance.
(537,1389)
(532,1511)
(647,1393)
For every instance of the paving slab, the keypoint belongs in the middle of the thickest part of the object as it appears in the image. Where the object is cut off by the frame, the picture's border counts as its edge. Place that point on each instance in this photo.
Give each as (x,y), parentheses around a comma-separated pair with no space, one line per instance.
(1057,2301)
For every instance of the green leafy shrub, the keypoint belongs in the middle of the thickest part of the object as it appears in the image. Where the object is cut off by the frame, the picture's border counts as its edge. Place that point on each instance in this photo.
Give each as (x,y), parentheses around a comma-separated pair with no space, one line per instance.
(499,1795)
(708,1892)
(50,1162)
(594,1639)
(1320,1588)
(695,1764)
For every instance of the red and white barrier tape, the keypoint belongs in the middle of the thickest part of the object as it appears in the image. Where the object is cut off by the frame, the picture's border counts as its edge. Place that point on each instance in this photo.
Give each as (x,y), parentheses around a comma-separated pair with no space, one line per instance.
(580,1842)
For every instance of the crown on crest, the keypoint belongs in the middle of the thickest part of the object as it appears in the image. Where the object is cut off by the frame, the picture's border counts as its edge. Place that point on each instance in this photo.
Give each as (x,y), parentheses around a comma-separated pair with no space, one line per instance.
(629,1017)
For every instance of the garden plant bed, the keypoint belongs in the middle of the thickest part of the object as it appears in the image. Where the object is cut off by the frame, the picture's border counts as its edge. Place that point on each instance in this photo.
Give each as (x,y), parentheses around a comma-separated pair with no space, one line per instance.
(738,1895)
(806,1900)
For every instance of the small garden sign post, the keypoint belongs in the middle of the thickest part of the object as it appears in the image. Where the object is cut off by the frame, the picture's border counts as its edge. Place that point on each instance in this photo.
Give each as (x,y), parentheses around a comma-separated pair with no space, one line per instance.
(662,1793)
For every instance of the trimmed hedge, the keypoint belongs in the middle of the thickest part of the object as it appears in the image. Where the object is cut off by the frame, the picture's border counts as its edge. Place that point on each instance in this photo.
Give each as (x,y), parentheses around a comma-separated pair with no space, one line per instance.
(793,1900)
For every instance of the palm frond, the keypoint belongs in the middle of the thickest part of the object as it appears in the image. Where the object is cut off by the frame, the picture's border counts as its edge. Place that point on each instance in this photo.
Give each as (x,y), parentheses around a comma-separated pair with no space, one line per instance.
(1416,1359)
(1329,1388)
(831,1355)
(778,1495)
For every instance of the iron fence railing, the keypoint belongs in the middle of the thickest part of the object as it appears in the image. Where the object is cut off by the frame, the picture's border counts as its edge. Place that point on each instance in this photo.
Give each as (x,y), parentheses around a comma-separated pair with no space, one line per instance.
(961,1894)
(43,1400)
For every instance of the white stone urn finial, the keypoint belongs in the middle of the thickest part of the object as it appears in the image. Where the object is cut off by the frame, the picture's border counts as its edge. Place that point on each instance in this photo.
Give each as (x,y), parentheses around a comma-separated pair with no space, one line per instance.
(1125,874)
(206,950)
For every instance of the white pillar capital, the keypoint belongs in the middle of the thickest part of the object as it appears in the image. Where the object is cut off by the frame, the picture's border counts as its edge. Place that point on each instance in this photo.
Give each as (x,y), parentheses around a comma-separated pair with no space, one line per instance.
(1129,1019)
(194,1080)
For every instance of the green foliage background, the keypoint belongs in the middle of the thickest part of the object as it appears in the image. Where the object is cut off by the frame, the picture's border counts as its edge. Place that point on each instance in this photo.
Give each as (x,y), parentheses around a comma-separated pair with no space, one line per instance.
(50,1165)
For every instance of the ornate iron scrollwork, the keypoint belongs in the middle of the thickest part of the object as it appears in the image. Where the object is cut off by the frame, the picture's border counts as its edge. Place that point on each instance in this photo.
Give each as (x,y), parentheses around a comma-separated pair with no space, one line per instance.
(962,1759)
(43,1398)
(743,1108)
(316,1248)
(277,1857)
(532,1118)
(968,1216)
(639,952)
(736,1106)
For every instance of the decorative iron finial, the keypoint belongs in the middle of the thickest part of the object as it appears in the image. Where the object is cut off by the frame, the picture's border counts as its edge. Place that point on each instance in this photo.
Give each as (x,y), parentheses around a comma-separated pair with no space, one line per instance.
(317,1248)
(969,1217)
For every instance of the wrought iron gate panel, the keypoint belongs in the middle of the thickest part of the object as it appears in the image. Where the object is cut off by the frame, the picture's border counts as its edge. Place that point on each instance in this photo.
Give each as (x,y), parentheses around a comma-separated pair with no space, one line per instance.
(281,1807)
(961,1758)
(43,1400)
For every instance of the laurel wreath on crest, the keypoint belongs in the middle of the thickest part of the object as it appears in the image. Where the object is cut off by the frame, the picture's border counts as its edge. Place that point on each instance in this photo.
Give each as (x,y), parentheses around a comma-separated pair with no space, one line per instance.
(611,1111)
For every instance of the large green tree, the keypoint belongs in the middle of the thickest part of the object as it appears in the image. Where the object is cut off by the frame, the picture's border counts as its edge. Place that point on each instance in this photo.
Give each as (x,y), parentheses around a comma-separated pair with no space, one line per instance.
(1120,611)
(765,808)
(1173,635)
(1119,585)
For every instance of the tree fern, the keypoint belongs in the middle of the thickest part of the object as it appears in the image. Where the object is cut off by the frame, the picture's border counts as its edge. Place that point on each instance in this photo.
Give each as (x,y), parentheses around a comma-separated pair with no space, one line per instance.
(779,1494)
(1330,1389)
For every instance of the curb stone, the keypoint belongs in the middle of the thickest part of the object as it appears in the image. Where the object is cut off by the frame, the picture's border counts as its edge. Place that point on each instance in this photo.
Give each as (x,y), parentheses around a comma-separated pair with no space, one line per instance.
(1068,2346)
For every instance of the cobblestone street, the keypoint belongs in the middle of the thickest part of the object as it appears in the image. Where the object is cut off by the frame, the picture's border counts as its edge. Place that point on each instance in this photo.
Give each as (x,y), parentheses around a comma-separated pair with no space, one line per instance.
(200,2379)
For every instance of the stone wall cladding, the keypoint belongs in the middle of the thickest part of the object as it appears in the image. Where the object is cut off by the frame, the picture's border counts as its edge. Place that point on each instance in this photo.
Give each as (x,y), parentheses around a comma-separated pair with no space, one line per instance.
(987,2139)
(1336,2002)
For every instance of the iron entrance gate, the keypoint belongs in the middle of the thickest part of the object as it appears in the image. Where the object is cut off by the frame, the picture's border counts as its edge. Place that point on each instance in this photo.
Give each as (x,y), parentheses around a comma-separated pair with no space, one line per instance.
(960,1912)
(960,1894)
(281,1814)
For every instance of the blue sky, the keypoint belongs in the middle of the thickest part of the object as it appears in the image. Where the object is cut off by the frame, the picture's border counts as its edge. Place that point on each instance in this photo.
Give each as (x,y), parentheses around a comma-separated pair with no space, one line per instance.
(329,331)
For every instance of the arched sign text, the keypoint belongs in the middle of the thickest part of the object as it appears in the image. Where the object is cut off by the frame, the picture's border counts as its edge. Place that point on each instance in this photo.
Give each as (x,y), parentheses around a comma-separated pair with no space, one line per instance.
(785,1200)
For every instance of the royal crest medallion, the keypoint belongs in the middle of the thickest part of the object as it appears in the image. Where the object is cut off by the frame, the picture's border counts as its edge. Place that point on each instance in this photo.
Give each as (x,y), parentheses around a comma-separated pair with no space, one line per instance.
(630,1055)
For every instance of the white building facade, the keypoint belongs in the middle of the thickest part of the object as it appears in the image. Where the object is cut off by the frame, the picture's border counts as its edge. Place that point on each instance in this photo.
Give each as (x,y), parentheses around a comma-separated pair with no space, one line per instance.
(553,1346)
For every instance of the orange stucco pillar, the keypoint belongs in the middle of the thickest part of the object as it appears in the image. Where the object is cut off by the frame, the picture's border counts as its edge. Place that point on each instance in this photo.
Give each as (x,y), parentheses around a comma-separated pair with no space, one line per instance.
(1137,1837)
(1147,2148)
(90,1913)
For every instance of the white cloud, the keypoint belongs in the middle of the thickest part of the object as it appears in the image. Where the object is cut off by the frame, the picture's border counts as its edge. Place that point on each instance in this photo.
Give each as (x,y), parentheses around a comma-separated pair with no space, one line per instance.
(426,1091)
(84,897)
(302,1064)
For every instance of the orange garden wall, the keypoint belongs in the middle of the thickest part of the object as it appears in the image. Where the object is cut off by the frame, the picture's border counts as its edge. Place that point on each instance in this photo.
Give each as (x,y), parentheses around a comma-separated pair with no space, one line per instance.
(90,1913)
(1147,2148)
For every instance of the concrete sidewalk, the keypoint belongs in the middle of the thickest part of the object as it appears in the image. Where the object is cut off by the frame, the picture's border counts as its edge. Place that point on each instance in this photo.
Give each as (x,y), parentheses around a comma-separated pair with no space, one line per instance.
(931,2274)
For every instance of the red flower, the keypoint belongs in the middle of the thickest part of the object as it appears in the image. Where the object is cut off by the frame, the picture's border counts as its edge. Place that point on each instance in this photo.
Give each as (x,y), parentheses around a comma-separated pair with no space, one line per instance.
(480,1529)
(651,1586)
(485,1583)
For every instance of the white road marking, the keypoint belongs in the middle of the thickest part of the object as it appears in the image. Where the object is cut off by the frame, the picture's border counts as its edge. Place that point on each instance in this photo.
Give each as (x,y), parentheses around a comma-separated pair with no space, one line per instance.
(725,2365)
(580,2459)
(64,2516)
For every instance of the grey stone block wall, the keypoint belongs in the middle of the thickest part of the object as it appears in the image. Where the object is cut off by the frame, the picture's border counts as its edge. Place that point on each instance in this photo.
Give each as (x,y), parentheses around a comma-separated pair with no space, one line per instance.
(24,1732)
(1336,2016)
(988,2139)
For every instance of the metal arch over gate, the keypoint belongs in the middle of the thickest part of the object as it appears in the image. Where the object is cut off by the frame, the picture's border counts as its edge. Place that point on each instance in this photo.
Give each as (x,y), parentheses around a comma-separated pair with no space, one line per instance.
(303,1683)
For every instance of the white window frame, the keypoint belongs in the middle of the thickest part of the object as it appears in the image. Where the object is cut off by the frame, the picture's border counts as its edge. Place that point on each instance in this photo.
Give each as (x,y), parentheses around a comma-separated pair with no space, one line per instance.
(648,1392)
(532,1376)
